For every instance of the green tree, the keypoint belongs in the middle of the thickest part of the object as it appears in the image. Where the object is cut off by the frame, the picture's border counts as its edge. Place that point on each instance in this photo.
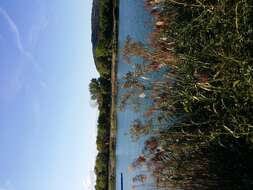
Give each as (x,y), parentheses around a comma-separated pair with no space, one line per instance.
(94,88)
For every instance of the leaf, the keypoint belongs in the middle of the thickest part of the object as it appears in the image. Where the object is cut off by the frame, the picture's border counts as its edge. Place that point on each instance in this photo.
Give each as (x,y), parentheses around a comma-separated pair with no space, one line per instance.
(196,98)
(236,82)
(231,132)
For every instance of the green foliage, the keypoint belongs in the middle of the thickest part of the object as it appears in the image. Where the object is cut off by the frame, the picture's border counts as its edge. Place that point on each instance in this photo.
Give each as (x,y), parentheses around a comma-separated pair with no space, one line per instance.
(207,47)
(106,18)
(100,90)
(103,51)
(214,43)
(210,80)
(101,170)
(104,65)
(94,87)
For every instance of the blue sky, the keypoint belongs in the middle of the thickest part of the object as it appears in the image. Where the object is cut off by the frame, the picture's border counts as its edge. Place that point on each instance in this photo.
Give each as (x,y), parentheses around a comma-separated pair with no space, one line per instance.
(47,123)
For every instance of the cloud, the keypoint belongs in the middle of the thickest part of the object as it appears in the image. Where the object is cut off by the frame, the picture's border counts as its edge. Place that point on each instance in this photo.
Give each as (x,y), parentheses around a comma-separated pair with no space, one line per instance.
(14,83)
(87,184)
(90,181)
(16,33)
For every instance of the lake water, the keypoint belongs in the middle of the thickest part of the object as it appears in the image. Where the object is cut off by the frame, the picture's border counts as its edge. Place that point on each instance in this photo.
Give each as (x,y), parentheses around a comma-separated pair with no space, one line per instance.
(134,21)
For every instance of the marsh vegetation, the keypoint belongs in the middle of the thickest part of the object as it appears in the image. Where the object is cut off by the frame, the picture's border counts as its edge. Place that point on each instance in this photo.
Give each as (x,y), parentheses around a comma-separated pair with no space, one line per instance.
(197,110)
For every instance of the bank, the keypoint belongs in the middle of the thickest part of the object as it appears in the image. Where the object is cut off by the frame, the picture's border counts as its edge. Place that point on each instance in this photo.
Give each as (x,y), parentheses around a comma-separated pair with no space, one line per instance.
(113,118)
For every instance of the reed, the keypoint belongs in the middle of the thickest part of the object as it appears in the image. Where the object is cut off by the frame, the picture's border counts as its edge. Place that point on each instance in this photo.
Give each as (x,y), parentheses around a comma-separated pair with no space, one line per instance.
(201,107)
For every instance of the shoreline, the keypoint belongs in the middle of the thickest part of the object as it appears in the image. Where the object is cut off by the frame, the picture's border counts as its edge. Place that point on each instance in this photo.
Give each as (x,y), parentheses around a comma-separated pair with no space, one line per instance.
(113,114)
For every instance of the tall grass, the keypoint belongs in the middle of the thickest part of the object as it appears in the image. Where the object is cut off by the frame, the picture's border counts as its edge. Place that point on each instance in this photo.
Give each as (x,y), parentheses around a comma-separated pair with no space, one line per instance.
(201,110)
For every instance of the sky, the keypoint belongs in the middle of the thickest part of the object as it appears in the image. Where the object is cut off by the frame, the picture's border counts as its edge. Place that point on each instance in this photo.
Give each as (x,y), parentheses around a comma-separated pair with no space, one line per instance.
(47,122)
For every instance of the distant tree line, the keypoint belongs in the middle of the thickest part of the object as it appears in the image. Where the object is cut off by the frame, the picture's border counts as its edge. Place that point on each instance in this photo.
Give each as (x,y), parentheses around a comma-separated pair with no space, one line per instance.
(103,50)
(100,90)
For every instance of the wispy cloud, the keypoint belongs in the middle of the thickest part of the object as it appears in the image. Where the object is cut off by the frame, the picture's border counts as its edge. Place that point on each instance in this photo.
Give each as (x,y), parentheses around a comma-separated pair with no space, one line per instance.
(15,83)
(16,33)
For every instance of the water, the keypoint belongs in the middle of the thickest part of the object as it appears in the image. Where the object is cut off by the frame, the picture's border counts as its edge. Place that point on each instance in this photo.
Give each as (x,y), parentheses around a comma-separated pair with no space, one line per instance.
(134,21)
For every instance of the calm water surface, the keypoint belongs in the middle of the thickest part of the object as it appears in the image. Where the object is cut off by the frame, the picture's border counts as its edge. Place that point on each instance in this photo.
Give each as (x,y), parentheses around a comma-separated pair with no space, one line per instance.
(134,21)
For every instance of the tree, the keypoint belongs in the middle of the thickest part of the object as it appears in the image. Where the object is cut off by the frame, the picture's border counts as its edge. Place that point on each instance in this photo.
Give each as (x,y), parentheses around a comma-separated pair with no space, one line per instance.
(94,88)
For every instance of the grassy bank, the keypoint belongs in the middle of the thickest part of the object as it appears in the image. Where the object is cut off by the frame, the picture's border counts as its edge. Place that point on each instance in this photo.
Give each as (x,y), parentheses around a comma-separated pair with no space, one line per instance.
(200,118)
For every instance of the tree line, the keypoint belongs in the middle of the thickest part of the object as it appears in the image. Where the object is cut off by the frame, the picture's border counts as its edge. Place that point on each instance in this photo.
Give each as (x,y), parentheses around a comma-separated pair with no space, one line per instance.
(100,91)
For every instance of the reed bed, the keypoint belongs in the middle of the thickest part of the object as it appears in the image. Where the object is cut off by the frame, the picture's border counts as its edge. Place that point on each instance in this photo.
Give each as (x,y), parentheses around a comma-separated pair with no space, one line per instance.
(200,116)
